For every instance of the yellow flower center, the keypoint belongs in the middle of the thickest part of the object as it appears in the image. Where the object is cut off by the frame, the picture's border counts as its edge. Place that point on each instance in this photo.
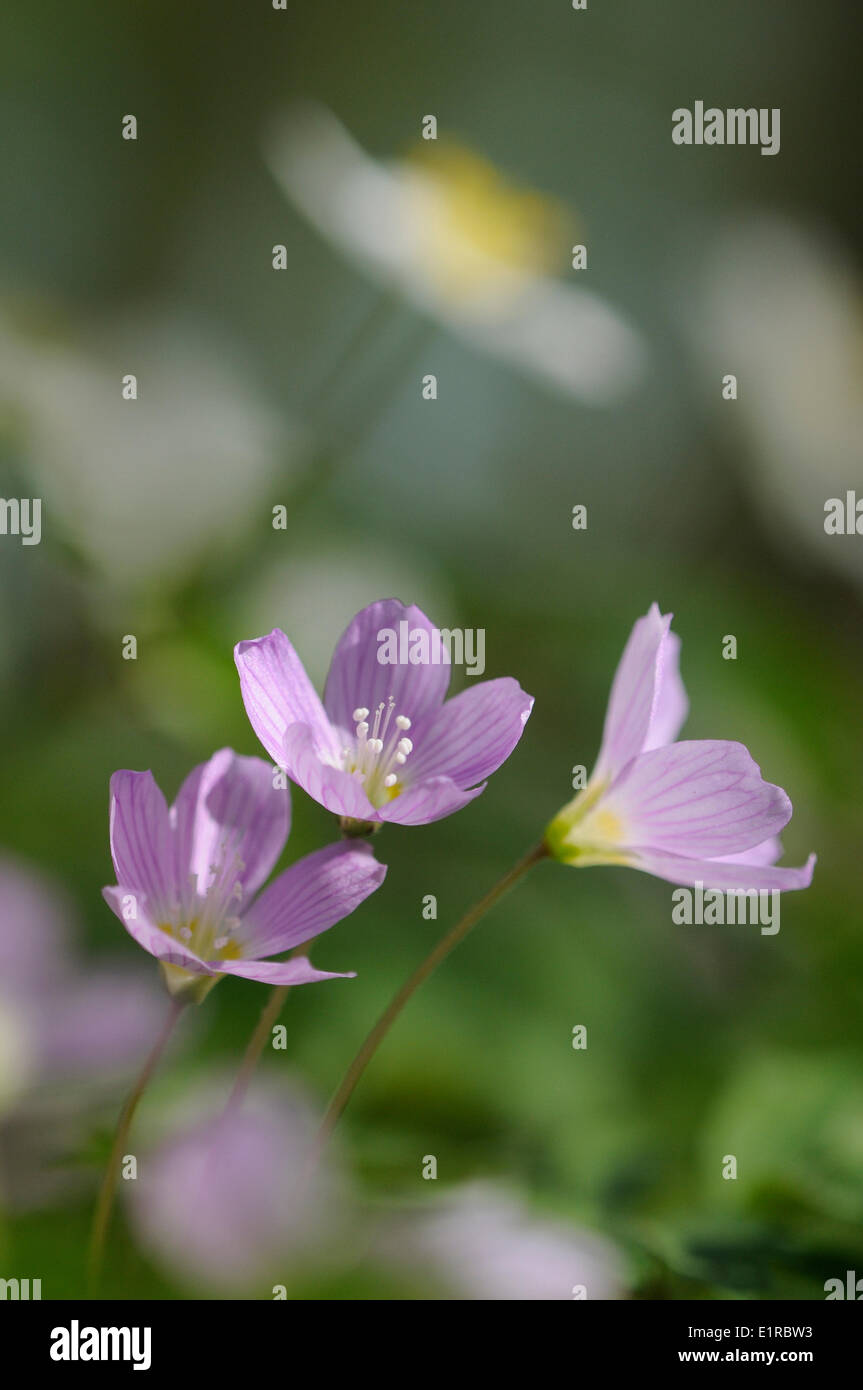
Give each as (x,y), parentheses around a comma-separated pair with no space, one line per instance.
(479,234)
(588,832)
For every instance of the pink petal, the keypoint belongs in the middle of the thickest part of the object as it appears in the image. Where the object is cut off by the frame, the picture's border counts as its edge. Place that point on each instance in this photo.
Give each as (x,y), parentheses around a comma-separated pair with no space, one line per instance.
(144,930)
(765,853)
(634,699)
(141,840)
(298,971)
(472,734)
(228,813)
(309,897)
(699,798)
(277,693)
(358,680)
(427,801)
(722,873)
(671,705)
(337,790)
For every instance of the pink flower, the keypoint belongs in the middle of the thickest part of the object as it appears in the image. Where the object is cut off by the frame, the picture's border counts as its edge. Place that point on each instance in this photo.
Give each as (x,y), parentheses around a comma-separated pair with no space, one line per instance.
(232,1201)
(188,876)
(688,812)
(484,1244)
(384,745)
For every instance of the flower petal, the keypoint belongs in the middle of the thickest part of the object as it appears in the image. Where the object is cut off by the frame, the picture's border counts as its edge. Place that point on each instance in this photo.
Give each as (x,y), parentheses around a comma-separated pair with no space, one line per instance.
(141,844)
(671,705)
(700,798)
(429,800)
(765,853)
(144,930)
(722,873)
(565,337)
(337,790)
(634,695)
(277,693)
(229,816)
(357,679)
(472,734)
(298,971)
(309,897)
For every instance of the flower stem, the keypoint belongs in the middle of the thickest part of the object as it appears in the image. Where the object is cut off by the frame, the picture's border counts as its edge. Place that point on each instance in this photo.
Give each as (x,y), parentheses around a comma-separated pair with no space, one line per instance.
(105,1203)
(446,944)
(324,464)
(257,1043)
(382,312)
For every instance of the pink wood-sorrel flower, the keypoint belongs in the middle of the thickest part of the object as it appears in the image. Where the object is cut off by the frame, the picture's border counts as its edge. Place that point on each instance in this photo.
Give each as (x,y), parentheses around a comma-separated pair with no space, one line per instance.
(383,745)
(687,812)
(187,877)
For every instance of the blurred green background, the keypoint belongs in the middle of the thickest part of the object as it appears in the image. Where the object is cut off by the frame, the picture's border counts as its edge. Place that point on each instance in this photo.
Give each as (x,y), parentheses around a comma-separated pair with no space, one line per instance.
(154,257)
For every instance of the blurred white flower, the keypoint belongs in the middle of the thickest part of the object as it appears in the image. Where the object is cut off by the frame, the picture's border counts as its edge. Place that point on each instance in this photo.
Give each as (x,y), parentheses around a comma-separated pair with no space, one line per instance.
(450,235)
(781,308)
(484,1244)
(314,594)
(144,486)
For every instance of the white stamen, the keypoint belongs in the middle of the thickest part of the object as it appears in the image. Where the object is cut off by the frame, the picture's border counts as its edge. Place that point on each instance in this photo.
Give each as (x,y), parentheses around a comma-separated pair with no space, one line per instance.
(379,749)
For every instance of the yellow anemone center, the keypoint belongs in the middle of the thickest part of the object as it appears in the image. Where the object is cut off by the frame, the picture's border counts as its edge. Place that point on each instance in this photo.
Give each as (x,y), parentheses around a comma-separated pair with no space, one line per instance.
(476,229)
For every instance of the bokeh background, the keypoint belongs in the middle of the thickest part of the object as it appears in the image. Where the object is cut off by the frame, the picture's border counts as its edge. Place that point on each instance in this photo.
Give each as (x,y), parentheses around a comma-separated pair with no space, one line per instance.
(154,257)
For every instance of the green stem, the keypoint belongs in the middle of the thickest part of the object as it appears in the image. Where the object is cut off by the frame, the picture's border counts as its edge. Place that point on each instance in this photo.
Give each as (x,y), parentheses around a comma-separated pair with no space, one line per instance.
(446,944)
(382,311)
(324,465)
(257,1043)
(105,1203)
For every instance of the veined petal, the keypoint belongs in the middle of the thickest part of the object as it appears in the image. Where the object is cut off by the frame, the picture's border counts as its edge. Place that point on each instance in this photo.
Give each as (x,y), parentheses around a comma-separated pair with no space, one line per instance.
(721,873)
(472,734)
(357,679)
(312,895)
(230,820)
(634,698)
(427,801)
(671,705)
(277,693)
(700,798)
(334,788)
(143,929)
(298,971)
(141,842)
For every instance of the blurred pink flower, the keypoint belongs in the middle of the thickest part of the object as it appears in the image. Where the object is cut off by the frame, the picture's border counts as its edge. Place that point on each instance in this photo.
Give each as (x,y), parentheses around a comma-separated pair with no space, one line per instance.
(75,1019)
(484,1244)
(231,1202)
(69,1029)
